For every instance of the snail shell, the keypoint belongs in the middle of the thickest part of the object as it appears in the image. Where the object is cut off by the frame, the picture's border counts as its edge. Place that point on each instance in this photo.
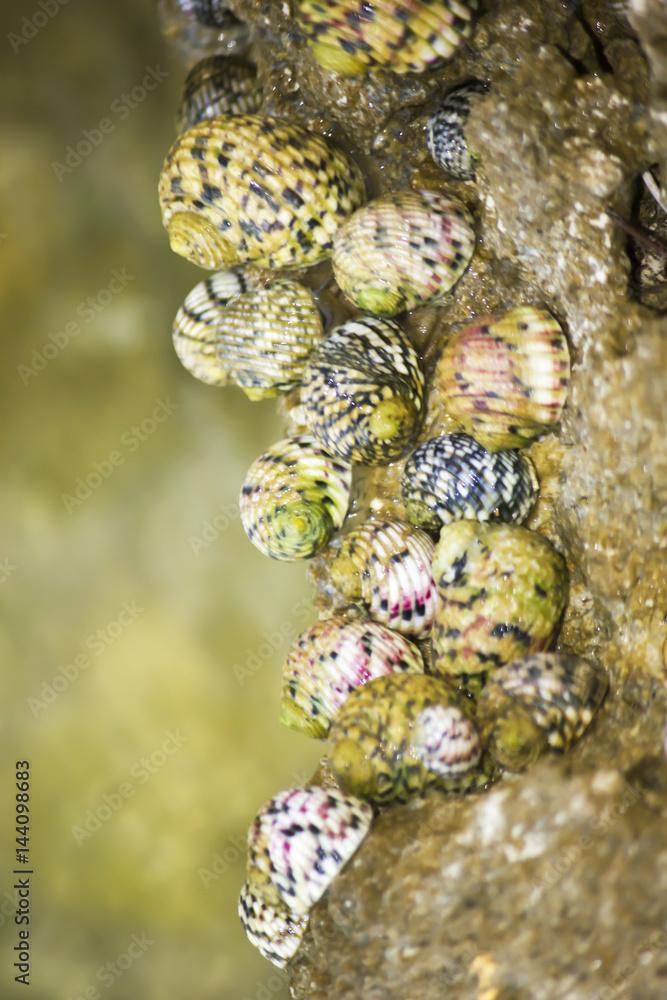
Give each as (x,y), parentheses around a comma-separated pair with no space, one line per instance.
(406,36)
(362,391)
(501,592)
(452,477)
(211,13)
(245,188)
(273,929)
(387,565)
(403,250)
(331,659)
(400,736)
(294,497)
(299,841)
(218,85)
(543,701)
(505,379)
(445,132)
(196,323)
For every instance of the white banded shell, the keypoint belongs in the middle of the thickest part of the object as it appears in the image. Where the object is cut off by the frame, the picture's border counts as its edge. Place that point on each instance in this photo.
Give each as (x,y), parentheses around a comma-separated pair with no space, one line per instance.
(445,132)
(196,324)
(387,564)
(402,250)
(331,659)
(452,477)
(300,841)
(362,391)
(274,930)
(218,85)
(294,497)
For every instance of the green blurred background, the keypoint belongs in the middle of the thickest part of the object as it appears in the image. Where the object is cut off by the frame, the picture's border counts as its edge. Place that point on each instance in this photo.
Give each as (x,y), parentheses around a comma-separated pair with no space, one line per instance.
(141,635)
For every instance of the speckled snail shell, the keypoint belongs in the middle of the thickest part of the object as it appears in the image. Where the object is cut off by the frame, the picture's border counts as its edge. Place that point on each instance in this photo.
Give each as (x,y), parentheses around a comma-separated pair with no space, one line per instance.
(274,930)
(505,379)
(331,659)
(543,701)
(501,592)
(452,477)
(387,565)
(245,188)
(196,323)
(402,250)
(445,131)
(362,391)
(300,840)
(218,85)
(294,497)
(406,36)
(400,736)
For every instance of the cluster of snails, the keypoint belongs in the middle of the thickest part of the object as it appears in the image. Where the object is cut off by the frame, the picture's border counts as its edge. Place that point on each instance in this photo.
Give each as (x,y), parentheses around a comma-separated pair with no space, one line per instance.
(433,673)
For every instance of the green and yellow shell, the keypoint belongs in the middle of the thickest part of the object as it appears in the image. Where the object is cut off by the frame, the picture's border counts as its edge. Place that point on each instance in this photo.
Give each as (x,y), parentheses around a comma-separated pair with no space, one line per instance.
(501,592)
(505,379)
(403,250)
(246,188)
(445,132)
(401,736)
(294,497)
(218,85)
(272,928)
(386,564)
(196,323)
(406,36)
(331,659)
(452,477)
(545,701)
(362,391)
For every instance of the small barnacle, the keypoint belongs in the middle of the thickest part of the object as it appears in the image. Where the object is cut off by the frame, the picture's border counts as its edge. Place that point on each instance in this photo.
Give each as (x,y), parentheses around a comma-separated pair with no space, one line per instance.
(196,322)
(246,188)
(402,735)
(331,659)
(387,565)
(274,930)
(402,250)
(406,36)
(501,592)
(218,85)
(445,132)
(545,701)
(294,497)
(453,477)
(362,391)
(505,378)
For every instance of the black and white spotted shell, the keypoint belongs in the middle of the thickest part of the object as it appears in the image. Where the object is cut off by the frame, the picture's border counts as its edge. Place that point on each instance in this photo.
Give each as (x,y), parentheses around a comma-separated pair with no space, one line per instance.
(445,132)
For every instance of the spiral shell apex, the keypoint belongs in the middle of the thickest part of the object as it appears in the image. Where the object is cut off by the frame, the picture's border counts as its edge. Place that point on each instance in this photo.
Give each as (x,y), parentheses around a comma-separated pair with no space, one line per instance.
(501,592)
(505,379)
(453,477)
(403,250)
(362,391)
(300,841)
(218,85)
(275,931)
(245,188)
(330,660)
(542,702)
(294,497)
(400,736)
(406,36)
(196,323)
(387,565)
(445,132)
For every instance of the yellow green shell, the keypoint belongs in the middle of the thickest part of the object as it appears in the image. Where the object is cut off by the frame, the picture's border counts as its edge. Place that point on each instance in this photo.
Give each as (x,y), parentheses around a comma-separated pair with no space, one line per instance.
(272,928)
(502,590)
(245,188)
(294,497)
(545,701)
(362,391)
(331,659)
(406,36)
(505,379)
(218,85)
(402,735)
(403,250)
(196,323)
(387,565)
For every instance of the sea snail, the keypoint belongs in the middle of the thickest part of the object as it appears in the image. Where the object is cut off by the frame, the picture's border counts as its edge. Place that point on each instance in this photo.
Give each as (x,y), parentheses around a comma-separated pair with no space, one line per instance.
(218,85)
(445,132)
